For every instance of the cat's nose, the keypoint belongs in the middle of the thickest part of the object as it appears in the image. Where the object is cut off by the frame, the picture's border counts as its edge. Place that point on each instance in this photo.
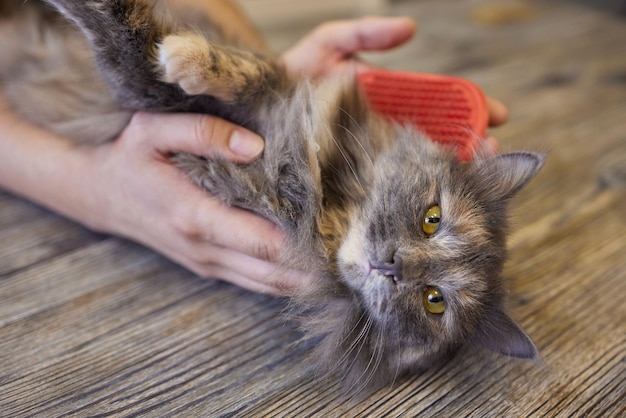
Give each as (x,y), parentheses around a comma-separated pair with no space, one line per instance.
(391,269)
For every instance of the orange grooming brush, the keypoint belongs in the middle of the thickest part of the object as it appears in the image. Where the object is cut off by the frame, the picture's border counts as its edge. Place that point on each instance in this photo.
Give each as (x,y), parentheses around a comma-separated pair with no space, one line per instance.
(450,110)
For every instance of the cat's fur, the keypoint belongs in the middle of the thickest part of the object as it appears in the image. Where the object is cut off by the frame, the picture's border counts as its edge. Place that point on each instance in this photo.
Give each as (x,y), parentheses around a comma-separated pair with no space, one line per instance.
(349,189)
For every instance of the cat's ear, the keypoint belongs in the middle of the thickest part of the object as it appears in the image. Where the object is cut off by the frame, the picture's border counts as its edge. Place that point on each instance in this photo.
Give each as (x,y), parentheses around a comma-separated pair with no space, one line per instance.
(502,335)
(505,174)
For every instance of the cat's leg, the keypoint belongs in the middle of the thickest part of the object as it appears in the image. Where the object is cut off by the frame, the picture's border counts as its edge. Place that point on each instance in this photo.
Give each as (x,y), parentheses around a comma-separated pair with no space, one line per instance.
(152,61)
(230,74)
(123,35)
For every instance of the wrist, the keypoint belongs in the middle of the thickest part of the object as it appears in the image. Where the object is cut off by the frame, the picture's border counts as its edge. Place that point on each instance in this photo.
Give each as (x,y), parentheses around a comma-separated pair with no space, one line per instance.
(42,167)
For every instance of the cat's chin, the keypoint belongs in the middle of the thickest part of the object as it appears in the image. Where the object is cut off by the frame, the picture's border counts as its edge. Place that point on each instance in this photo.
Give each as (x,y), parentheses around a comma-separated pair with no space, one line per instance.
(374,289)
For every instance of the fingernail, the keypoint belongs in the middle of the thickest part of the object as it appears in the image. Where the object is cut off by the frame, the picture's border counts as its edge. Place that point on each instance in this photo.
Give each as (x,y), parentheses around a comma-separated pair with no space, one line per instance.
(246,144)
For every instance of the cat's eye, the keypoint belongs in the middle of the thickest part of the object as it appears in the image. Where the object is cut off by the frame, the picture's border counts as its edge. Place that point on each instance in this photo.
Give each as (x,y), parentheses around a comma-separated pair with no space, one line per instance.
(434,301)
(430,222)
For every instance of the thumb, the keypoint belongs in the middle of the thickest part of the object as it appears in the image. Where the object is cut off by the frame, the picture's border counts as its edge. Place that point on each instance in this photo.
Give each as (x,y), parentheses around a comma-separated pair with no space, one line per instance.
(203,135)
(366,34)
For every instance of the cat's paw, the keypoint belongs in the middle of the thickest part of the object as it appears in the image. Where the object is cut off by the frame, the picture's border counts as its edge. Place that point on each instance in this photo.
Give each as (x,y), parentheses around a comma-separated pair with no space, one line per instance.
(183,60)
(200,67)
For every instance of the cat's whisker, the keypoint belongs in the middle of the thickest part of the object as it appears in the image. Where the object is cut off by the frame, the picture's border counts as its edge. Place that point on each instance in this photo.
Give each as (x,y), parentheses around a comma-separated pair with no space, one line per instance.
(356,324)
(391,386)
(347,370)
(358,125)
(395,376)
(350,166)
(356,341)
(363,340)
(377,354)
(359,143)
(361,386)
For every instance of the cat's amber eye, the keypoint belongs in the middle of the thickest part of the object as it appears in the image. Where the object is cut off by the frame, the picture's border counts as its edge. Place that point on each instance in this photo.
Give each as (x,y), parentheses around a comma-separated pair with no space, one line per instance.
(434,301)
(432,218)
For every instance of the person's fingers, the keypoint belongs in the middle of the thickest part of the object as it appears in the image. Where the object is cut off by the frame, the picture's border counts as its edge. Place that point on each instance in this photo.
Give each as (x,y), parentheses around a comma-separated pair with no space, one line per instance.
(205,219)
(255,270)
(210,261)
(202,135)
(498,112)
(332,47)
(365,34)
(179,210)
(226,274)
(245,232)
(235,240)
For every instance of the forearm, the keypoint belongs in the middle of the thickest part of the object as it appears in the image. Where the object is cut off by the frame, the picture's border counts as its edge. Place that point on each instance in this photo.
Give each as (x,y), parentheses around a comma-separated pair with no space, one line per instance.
(42,166)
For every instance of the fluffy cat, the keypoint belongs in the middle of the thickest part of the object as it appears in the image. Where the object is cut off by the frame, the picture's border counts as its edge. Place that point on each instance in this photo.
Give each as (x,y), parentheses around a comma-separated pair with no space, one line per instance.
(406,244)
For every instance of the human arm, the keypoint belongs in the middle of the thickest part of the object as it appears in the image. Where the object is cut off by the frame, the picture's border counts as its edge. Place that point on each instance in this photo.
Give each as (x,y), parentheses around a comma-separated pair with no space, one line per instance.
(130,188)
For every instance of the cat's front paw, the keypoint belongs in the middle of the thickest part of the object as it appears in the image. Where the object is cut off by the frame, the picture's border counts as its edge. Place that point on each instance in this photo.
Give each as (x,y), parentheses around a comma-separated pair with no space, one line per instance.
(183,59)
(200,67)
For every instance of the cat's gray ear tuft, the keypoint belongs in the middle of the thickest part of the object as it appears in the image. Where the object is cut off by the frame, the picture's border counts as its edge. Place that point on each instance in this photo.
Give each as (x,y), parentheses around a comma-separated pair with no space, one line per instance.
(502,335)
(505,174)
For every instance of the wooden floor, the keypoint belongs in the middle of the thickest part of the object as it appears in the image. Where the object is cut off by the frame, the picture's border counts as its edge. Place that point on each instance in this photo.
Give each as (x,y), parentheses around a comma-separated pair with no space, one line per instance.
(93,325)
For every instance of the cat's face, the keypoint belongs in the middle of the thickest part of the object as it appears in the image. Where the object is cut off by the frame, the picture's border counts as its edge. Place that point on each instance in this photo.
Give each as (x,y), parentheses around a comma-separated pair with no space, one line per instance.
(424,253)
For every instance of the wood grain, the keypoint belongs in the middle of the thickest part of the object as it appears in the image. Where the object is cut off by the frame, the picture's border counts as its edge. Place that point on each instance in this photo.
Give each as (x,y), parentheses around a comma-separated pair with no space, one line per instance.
(95,326)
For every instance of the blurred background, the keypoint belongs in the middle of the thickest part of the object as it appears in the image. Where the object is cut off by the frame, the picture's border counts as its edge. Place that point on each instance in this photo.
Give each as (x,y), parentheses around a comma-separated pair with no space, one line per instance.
(280,12)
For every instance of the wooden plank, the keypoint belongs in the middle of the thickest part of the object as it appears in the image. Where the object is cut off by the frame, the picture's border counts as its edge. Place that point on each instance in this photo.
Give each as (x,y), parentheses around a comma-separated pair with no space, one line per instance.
(35,235)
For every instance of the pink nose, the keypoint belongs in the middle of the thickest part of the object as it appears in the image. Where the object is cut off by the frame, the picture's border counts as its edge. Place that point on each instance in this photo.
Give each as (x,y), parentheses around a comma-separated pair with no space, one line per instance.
(391,269)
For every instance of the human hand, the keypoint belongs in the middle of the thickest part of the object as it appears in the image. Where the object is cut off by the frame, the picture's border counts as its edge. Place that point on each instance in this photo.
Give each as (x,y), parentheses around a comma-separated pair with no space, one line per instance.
(498,115)
(331,48)
(136,192)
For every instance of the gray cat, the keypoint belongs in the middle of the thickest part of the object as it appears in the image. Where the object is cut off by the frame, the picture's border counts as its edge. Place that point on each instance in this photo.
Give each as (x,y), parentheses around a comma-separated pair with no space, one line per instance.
(406,243)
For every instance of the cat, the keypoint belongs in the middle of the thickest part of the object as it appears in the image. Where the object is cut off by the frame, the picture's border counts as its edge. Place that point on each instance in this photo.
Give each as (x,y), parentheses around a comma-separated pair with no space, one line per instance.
(405,244)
